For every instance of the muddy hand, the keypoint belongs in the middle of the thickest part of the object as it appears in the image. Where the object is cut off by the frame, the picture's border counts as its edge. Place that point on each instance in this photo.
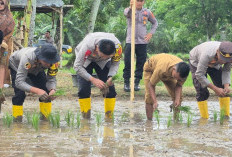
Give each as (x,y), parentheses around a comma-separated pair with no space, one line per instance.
(105,91)
(45,98)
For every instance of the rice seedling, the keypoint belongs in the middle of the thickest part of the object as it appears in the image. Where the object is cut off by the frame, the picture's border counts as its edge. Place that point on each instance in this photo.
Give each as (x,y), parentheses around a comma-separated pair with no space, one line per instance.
(68,117)
(35,120)
(189,119)
(215,116)
(156,115)
(180,118)
(185,109)
(78,120)
(51,119)
(28,116)
(222,116)
(113,117)
(125,116)
(98,119)
(169,122)
(7,120)
(57,119)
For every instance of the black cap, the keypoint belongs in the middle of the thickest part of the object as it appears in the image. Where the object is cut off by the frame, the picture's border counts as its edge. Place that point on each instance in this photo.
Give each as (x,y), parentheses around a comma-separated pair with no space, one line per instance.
(225,49)
(47,53)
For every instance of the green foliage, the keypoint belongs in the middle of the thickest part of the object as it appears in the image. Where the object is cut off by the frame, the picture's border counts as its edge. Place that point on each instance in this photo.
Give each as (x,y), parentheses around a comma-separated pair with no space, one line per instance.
(28,116)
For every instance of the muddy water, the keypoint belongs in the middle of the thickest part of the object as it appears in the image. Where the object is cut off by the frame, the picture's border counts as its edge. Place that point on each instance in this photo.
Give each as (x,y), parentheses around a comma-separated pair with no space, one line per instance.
(129,135)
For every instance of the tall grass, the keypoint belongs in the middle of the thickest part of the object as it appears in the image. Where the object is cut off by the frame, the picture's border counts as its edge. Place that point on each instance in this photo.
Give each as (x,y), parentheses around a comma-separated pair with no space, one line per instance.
(7,120)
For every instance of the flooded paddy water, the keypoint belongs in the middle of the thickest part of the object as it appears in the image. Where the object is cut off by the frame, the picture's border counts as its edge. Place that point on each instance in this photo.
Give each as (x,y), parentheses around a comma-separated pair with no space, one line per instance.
(128,134)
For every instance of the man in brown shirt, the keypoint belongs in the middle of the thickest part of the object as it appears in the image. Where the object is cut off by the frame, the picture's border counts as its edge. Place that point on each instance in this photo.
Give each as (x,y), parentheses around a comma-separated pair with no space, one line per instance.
(169,69)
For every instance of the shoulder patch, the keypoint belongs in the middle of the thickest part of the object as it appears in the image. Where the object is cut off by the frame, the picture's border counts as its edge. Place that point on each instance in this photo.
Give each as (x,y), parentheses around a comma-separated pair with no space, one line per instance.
(87,53)
(118,53)
(27,65)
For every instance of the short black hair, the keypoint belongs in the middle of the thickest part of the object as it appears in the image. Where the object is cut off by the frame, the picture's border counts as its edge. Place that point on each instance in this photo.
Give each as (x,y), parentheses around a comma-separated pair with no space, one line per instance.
(183,69)
(48,31)
(1,36)
(106,46)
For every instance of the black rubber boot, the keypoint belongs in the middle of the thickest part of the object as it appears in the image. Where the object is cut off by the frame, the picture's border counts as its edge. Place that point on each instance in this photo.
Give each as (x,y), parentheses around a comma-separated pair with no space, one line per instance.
(137,87)
(127,86)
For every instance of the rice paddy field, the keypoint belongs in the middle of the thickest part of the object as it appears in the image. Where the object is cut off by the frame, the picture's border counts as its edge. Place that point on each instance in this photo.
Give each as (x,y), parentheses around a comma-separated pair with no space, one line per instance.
(128,133)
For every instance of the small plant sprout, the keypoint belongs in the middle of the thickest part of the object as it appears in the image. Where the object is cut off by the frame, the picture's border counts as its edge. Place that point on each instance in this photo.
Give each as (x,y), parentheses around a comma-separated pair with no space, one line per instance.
(28,116)
(98,119)
(57,119)
(113,117)
(215,116)
(156,115)
(78,120)
(68,117)
(52,119)
(180,118)
(222,116)
(35,121)
(125,116)
(189,119)
(169,122)
(7,120)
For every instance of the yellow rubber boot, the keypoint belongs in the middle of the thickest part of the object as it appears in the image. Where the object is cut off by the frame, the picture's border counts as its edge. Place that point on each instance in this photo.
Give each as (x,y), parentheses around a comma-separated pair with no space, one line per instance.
(45,109)
(225,105)
(203,107)
(85,106)
(17,112)
(109,106)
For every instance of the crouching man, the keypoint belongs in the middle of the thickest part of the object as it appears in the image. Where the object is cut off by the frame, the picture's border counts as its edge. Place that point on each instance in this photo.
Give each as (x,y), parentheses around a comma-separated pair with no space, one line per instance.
(213,58)
(169,69)
(102,52)
(31,63)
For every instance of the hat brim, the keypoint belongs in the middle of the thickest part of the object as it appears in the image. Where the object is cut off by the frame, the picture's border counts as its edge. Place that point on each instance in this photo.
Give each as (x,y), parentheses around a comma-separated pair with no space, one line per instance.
(50,61)
(226,59)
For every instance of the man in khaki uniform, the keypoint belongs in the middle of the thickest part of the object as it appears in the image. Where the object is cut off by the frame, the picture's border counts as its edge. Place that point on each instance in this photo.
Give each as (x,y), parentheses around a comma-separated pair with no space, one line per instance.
(169,69)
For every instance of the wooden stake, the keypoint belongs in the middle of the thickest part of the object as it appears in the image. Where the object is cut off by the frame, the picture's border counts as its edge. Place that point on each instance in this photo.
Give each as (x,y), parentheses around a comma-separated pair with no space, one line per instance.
(132,51)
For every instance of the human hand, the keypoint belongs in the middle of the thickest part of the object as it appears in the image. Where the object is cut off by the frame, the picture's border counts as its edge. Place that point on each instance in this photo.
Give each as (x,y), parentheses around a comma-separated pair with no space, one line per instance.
(227,90)
(220,92)
(177,103)
(155,106)
(44,98)
(109,82)
(98,83)
(148,37)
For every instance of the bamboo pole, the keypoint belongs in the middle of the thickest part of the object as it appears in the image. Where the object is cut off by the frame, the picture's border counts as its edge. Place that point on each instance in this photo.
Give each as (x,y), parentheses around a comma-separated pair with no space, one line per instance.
(132,51)
(27,15)
(61,35)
